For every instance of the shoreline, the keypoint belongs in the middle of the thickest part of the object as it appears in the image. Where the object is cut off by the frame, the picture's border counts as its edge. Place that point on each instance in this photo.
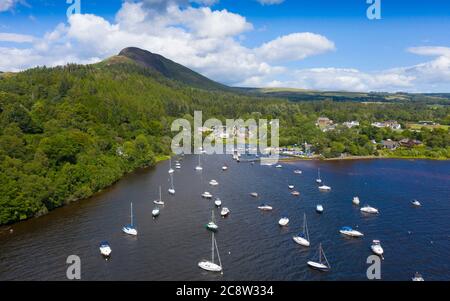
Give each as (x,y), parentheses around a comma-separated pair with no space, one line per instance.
(351,158)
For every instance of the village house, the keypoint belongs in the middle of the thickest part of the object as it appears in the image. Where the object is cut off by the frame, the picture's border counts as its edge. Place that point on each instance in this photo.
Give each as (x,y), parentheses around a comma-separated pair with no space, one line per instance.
(409,142)
(389,144)
(323,122)
(392,124)
(351,124)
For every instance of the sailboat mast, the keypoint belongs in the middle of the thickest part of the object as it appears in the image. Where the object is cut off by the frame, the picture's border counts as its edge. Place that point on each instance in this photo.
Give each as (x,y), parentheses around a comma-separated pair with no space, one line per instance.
(160,198)
(212,248)
(131,210)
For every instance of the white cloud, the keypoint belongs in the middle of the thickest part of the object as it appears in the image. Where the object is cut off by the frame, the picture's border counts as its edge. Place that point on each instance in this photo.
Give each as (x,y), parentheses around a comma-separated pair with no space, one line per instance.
(270,2)
(6,5)
(296,46)
(15,38)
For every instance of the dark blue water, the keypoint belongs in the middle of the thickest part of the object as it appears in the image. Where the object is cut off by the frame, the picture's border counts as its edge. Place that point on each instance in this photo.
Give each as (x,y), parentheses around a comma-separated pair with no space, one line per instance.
(251,244)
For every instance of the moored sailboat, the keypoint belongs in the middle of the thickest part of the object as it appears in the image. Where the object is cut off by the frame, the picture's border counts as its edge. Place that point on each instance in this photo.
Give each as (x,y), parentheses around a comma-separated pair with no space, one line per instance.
(303,237)
(130,229)
(211,266)
(322,264)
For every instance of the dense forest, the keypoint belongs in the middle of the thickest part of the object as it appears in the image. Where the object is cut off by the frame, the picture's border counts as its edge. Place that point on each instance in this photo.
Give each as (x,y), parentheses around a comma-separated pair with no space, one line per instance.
(68,132)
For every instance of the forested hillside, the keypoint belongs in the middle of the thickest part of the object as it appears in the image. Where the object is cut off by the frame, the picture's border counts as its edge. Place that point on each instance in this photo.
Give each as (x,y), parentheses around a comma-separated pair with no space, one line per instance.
(68,132)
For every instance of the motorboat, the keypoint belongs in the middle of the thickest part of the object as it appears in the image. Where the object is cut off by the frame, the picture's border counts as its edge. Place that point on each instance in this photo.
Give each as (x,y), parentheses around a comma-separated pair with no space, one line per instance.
(225,212)
(213,183)
(279,166)
(284,221)
(207,195)
(105,249)
(218,202)
(319,208)
(350,232)
(376,248)
(324,188)
(291,186)
(298,172)
(224,168)
(254,194)
(370,210)
(416,203)
(295,193)
(156,212)
(356,201)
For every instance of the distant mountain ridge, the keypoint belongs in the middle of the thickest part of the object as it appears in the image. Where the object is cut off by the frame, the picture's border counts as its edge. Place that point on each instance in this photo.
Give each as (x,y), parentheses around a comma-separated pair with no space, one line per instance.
(170,69)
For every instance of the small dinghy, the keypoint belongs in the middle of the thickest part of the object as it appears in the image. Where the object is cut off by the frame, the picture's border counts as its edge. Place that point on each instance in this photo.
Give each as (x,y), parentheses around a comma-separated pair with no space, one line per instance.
(324,188)
(303,238)
(284,221)
(295,193)
(416,203)
(218,202)
(225,212)
(356,201)
(265,207)
(130,229)
(254,194)
(417,277)
(213,183)
(207,195)
(211,266)
(105,249)
(298,172)
(322,264)
(350,232)
(319,209)
(376,248)
(212,226)
(159,202)
(369,210)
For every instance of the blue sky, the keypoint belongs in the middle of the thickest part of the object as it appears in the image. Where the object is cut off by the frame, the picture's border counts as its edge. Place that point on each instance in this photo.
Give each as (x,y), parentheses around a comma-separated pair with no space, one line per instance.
(319,44)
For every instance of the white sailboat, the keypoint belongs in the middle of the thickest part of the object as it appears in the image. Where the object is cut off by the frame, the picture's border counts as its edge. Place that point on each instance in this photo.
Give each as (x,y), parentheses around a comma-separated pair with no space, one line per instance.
(350,232)
(322,264)
(199,166)
(212,226)
(171,170)
(303,238)
(324,188)
(370,210)
(265,207)
(254,194)
(418,277)
(416,203)
(130,229)
(159,202)
(318,180)
(211,266)
(291,186)
(171,190)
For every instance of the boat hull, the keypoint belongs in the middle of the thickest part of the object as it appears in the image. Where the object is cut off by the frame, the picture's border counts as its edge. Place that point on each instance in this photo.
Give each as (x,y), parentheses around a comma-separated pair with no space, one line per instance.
(301,241)
(318,266)
(209,266)
(129,231)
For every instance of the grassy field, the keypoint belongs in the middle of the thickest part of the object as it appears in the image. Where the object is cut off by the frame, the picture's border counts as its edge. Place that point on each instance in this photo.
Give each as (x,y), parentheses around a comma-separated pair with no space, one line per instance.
(417,126)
